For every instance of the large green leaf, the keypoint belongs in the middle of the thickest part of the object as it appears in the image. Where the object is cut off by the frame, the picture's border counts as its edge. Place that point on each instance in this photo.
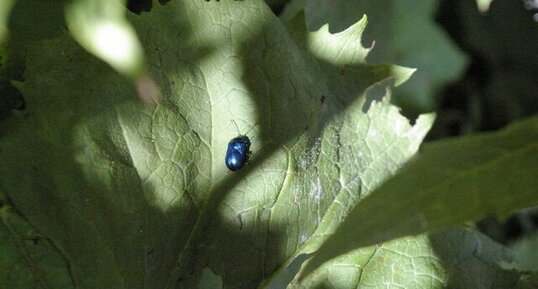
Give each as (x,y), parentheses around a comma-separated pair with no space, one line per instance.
(137,196)
(450,182)
(367,152)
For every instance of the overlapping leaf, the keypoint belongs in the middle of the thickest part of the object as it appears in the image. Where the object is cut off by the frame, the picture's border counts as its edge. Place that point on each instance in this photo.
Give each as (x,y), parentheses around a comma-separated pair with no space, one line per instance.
(403,33)
(449,183)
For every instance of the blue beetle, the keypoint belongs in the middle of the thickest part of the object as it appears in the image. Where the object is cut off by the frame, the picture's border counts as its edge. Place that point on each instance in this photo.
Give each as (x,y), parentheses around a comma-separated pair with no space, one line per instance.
(238,152)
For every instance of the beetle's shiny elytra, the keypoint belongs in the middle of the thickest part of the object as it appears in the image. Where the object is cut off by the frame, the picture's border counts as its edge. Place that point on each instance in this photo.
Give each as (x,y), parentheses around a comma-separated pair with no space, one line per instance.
(237,153)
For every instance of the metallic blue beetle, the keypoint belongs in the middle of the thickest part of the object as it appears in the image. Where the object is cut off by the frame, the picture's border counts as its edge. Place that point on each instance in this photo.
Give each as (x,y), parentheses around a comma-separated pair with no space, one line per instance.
(238,152)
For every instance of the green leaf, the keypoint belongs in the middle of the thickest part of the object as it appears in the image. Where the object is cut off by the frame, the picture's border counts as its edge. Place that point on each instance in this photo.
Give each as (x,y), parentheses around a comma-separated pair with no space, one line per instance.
(483,5)
(404,263)
(403,33)
(449,182)
(457,258)
(138,196)
(102,29)
(5,9)
(370,147)
(132,193)
(350,170)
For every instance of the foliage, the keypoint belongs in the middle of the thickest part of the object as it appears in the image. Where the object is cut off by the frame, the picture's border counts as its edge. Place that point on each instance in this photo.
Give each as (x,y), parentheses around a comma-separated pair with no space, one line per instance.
(99,189)
(489,173)
(401,32)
